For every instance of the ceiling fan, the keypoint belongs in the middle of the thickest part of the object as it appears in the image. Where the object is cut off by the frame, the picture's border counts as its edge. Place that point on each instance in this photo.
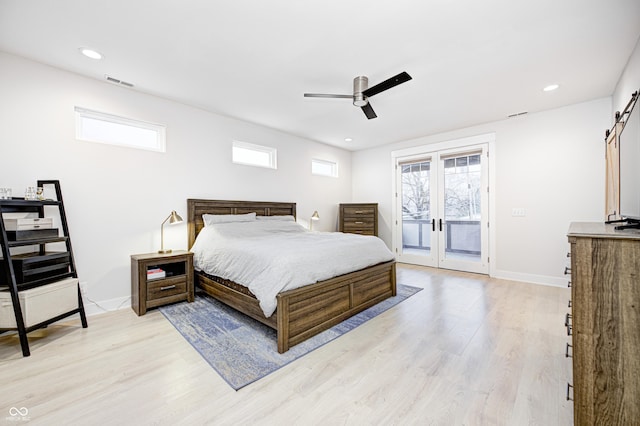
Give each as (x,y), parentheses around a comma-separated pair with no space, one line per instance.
(362,93)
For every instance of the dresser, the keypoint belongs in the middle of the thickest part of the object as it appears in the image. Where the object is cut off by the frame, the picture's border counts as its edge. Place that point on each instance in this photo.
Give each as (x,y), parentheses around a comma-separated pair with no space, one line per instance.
(605,324)
(360,218)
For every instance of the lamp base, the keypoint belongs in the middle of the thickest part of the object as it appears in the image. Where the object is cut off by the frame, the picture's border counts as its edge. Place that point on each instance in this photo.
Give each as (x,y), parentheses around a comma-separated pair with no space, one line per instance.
(165,251)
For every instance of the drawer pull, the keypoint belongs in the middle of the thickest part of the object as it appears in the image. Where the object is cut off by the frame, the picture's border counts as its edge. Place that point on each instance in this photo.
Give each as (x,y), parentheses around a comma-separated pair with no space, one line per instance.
(569,254)
(567,320)
(569,284)
(566,351)
(569,387)
(567,270)
(358,223)
(168,287)
(359,212)
(569,330)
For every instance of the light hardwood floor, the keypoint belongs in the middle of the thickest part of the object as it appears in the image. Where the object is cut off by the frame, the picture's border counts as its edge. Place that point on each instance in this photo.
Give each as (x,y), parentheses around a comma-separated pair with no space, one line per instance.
(467,350)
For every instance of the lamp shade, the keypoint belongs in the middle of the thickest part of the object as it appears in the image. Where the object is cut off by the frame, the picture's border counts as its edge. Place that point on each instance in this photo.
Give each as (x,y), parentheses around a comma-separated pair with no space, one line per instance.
(174,217)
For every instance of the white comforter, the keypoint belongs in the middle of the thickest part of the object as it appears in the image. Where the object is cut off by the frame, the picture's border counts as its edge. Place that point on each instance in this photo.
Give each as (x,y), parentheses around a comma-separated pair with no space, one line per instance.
(269,257)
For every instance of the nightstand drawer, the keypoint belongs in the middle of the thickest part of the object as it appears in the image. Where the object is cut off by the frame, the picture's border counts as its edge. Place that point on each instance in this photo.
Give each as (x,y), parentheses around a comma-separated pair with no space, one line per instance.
(165,287)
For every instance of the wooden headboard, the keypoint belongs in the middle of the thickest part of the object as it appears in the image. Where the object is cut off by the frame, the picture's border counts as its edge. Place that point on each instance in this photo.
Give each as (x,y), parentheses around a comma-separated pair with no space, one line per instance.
(196,208)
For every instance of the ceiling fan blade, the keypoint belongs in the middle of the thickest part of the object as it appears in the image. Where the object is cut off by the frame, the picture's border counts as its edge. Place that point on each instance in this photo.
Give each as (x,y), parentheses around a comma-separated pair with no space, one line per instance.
(403,77)
(368,111)
(326,95)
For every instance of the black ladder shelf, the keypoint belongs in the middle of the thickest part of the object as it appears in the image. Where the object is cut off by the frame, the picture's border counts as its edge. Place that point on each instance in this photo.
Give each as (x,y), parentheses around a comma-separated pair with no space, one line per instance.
(49,269)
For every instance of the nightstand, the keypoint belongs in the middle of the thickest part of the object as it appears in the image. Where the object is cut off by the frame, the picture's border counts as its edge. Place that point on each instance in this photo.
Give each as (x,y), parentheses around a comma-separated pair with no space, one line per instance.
(160,278)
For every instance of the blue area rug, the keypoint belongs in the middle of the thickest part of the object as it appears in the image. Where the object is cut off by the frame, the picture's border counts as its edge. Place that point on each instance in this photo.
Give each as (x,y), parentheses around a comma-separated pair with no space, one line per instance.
(243,350)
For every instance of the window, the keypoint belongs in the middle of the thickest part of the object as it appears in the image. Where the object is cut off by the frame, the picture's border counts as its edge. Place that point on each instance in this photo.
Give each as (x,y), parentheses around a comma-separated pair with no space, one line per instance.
(324,168)
(94,126)
(254,155)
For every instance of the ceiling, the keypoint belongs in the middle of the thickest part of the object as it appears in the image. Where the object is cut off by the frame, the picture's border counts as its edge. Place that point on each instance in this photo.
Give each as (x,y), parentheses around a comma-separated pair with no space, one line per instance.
(471,61)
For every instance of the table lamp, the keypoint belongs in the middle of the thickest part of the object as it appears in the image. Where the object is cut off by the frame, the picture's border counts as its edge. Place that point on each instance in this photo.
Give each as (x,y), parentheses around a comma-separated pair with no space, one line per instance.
(173,218)
(315,216)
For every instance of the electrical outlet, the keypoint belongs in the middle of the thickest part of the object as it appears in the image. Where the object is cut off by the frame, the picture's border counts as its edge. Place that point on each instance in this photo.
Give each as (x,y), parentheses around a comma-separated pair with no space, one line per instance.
(518,212)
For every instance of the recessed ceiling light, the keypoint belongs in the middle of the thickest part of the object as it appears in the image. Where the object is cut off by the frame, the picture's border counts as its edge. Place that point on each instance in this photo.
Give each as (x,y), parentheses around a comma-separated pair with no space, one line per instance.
(90,53)
(551,87)
(348,139)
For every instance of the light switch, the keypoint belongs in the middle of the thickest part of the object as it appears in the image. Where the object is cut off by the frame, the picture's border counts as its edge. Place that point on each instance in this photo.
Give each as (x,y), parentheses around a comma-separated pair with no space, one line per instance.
(518,212)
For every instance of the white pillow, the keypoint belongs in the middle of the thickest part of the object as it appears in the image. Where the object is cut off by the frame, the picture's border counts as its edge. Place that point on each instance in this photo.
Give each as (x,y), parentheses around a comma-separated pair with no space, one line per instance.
(283,218)
(210,219)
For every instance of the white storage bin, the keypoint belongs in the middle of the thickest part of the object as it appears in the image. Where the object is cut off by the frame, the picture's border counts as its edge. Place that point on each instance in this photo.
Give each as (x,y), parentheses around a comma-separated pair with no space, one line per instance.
(41,303)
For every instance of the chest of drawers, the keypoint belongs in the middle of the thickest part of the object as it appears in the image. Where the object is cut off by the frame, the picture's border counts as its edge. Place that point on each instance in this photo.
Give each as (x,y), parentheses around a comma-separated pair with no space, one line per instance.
(360,218)
(605,296)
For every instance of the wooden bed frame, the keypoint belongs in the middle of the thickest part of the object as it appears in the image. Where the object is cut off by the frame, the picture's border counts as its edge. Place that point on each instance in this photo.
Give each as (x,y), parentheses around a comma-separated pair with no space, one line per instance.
(303,312)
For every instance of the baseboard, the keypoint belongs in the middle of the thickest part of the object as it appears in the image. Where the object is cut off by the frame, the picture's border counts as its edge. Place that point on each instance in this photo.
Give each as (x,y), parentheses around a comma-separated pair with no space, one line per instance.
(531,278)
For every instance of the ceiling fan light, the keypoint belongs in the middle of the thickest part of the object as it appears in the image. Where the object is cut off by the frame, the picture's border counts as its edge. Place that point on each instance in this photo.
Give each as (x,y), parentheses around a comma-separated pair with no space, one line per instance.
(360,100)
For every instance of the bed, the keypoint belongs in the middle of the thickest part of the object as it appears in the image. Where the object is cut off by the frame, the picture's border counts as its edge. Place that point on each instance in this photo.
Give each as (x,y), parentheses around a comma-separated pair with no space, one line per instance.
(302,312)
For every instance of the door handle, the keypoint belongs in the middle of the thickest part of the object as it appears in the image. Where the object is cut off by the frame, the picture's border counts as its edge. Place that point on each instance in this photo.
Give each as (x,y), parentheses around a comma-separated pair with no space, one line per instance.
(440,224)
(433,225)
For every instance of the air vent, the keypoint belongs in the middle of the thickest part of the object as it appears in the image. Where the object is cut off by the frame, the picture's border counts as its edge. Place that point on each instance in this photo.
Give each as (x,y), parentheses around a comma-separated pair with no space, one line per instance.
(116,81)
(517,114)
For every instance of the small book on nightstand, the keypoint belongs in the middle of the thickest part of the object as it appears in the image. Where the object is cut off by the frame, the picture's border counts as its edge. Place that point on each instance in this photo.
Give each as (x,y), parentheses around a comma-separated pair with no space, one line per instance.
(155,273)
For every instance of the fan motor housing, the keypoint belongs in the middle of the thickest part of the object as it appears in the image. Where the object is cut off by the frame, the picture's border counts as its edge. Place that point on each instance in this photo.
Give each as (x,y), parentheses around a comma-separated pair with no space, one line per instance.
(360,84)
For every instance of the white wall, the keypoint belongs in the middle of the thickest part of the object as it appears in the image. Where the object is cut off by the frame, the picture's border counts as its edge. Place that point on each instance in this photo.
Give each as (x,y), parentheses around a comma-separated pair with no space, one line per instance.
(629,81)
(550,163)
(116,198)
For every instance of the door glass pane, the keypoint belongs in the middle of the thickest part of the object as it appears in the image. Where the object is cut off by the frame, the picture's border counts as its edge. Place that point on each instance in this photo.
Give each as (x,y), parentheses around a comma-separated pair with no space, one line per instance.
(416,214)
(462,180)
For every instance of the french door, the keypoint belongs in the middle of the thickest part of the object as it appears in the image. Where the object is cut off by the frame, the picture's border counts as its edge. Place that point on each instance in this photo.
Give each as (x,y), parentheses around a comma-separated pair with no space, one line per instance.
(442,209)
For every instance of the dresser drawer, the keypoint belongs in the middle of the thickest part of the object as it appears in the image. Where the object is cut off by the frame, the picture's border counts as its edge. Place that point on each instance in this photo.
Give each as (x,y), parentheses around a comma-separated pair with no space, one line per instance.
(359,229)
(165,287)
(358,222)
(350,226)
(358,211)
